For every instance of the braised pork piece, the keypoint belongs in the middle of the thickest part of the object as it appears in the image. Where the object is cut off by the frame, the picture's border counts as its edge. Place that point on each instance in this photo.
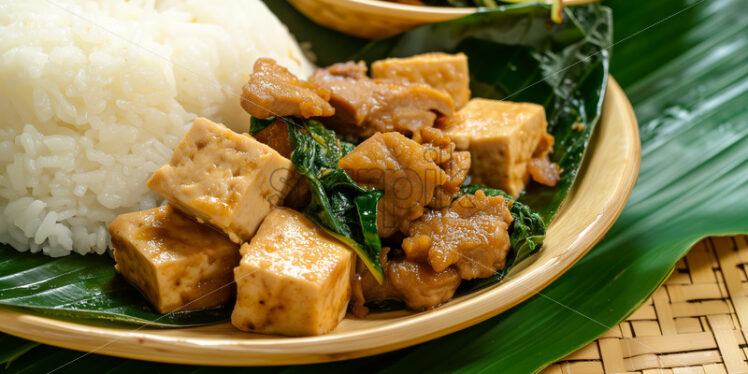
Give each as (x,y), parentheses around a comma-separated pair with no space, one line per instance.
(419,285)
(471,235)
(403,169)
(391,217)
(273,91)
(365,106)
(275,136)
(415,283)
(456,164)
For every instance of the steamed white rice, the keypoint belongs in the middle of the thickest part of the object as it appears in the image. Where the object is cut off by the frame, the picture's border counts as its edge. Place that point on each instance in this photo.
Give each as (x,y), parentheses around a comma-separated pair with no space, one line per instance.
(94,96)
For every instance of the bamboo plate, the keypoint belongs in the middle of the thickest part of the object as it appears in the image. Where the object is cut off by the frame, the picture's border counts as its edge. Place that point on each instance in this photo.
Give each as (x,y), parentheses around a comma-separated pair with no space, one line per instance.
(377,19)
(594,203)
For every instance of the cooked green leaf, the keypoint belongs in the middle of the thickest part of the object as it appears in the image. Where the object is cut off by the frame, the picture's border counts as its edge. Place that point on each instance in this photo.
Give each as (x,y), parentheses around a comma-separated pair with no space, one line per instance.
(338,204)
(366,206)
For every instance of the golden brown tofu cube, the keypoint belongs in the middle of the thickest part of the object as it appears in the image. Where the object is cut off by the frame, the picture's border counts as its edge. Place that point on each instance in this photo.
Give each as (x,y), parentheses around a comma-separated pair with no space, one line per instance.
(293,278)
(501,137)
(442,71)
(229,180)
(177,263)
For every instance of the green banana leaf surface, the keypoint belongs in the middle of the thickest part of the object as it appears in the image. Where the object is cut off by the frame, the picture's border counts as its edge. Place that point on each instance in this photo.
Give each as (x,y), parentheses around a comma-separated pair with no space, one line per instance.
(82,287)
(682,64)
(514,53)
(12,348)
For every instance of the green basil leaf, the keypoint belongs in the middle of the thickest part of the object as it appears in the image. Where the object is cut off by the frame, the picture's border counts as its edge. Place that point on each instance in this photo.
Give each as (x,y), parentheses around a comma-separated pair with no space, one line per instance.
(366,206)
(338,204)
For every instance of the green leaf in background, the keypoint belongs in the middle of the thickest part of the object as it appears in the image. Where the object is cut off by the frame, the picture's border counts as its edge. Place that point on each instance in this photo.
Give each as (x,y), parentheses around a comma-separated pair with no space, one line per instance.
(688,81)
(12,348)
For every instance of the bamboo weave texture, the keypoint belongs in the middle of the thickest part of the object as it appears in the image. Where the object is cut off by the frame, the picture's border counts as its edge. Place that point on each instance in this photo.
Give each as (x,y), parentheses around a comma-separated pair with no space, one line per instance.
(697,322)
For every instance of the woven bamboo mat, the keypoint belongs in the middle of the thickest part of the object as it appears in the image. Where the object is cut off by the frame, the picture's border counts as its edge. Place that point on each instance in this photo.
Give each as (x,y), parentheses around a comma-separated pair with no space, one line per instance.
(692,324)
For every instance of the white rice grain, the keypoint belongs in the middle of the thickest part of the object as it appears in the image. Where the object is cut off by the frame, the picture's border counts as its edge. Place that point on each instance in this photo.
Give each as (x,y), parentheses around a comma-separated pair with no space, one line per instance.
(95,95)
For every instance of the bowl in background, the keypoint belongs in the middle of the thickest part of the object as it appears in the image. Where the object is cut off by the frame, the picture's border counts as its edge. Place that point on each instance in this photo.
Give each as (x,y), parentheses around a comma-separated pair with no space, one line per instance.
(377,19)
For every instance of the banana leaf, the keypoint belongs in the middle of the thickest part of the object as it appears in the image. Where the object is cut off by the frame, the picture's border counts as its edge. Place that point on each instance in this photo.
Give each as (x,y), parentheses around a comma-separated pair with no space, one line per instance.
(688,81)
(78,286)
(514,53)
(11,348)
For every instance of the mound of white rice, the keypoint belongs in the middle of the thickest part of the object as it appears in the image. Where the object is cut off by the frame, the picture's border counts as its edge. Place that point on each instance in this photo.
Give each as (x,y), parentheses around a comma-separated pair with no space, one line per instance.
(94,96)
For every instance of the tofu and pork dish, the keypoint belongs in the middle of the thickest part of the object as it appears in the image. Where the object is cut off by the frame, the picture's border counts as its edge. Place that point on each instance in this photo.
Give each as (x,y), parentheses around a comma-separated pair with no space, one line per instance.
(353,189)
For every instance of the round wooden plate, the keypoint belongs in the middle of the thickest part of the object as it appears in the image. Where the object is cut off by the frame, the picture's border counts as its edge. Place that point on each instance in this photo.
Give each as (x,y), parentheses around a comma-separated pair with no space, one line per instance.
(596,200)
(376,19)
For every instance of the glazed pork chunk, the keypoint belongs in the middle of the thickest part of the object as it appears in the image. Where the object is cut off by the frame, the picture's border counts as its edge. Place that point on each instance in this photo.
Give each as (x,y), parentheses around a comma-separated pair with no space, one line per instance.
(364,106)
(229,180)
(176,262)
(293,278)
(275,136)
(441,71)
(413,282)
(471,235)
(467,240)
(273,91)
(403,169)
(507,141)
(456,164)
(419,286)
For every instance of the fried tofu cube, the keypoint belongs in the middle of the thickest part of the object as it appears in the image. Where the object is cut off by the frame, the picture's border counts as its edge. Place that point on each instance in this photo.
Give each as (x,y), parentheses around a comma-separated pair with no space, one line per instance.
(229,180)
(177,263)
(293,278)
(501,137)
(441,71)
